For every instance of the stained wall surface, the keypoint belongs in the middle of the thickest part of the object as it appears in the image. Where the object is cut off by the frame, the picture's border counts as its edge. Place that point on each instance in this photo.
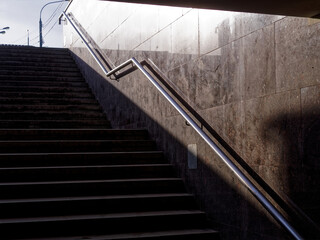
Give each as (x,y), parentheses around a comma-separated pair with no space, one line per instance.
(255,79)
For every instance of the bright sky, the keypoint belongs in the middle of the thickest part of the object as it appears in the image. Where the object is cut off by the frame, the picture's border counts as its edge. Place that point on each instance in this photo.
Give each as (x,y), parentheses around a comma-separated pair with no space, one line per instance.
(23,15)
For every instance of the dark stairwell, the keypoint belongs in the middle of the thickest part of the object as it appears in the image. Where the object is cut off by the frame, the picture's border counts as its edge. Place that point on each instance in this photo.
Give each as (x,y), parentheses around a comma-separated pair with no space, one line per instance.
(65,174)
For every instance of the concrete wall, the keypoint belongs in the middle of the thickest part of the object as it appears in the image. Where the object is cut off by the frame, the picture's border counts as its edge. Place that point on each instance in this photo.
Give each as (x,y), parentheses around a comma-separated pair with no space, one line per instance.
(255,79)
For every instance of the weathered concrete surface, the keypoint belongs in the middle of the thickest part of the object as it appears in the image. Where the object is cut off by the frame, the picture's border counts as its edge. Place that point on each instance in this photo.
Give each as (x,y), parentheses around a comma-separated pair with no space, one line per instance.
(253,78)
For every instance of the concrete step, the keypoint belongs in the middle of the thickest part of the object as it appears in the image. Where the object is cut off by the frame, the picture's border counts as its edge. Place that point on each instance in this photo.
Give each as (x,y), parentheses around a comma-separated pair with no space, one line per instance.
(49,99)
(90,172)
(41,68)
(80,159)
(39,73)
(43,84)
(73,134)
(42,96)
(48,108)
(39,59)
(31,49)
(24,190)
(185,234)
(44,78)
(44,89)
(52,115)
(64,124)
(18,64)
(96,224)
(35,54)
(43,146)
(48,207)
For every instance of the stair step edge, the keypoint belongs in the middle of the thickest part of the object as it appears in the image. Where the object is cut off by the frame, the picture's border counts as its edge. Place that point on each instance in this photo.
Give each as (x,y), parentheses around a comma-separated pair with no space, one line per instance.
(102,216)
(60,199)
(185,232)
(91,181)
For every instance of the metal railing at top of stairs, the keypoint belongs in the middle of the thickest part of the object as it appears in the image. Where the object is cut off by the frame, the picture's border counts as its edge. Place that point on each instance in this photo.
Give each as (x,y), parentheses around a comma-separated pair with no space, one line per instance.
(95,52)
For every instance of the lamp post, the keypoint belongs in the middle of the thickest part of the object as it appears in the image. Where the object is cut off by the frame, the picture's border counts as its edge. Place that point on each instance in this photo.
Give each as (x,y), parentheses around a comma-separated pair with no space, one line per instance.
(40,21)
(2,30)
(28,37)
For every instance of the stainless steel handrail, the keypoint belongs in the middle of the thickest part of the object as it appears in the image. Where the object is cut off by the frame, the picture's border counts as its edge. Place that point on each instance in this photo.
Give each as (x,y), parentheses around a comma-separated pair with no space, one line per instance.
(246,181)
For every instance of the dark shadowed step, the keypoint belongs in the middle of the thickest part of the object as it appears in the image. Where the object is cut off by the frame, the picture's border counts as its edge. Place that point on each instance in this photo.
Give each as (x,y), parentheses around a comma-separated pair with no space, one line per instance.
(49,101)
(21,208)
(40,78)
(29,49)
(102,224)
(75,134)
(43,95)
(52,115)
(34,54)
(18,64)
(38,73)
(186,234)
(44,89)
(42,58)
(76,146)
(41,68)
(71,173)
(49,108)
(65,124)
(25,190)
(43,84)
(80,159)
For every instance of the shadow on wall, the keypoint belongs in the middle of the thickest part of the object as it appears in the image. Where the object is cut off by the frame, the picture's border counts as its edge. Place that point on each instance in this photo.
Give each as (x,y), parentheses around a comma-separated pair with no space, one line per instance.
(223,197)
(301,155)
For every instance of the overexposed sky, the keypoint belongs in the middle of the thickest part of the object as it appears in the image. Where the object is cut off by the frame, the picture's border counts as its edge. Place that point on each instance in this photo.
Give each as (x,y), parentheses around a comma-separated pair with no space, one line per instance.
(23,15)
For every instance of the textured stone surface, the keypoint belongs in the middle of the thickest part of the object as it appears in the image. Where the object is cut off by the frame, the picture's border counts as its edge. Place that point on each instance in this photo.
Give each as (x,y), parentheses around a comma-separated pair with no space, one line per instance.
(218,81)
(185,37)
(212,29)
(297,53)
(258,63)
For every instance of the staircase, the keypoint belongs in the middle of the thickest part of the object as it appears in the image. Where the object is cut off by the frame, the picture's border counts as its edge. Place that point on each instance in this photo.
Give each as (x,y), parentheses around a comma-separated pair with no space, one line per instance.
(64,174)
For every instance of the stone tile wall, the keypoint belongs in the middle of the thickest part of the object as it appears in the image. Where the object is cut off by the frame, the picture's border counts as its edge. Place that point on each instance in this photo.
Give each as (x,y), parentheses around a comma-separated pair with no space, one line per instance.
(255,79)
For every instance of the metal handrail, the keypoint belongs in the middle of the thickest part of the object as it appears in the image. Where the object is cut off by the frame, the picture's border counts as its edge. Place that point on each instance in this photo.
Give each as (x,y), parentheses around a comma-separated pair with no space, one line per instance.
(246,181)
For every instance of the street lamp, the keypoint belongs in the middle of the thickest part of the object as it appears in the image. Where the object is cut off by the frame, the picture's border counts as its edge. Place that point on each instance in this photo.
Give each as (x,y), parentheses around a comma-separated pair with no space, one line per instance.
(40,22)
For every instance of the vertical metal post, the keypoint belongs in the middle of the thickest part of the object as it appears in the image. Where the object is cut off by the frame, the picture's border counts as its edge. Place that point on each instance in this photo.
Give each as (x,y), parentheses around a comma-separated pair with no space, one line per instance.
(28,37)
(40,32)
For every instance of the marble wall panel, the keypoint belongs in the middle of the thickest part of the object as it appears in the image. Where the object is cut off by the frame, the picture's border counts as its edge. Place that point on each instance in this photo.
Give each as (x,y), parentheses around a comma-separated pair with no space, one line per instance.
(219,28)
(215,29)
(234,125)
(297,53)
(219,80)
(258,64)
(185,38)
(310,101)
(182,79)
(272,137)
(247,23)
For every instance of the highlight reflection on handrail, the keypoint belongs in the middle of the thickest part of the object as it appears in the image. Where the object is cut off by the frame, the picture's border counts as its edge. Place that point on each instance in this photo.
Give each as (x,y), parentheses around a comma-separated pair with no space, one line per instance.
(251,187)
